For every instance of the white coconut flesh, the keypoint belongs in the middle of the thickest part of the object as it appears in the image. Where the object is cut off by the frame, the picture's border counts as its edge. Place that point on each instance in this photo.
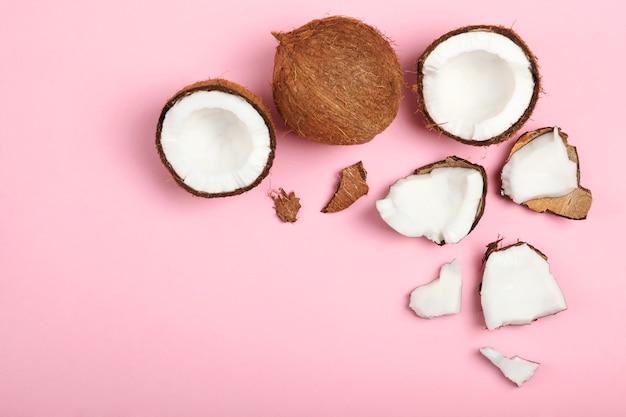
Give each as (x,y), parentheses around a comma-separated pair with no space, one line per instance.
(477,84)
(441,205)
(516,369)
(441,296)
(540,169)
(215,141)
(518,287)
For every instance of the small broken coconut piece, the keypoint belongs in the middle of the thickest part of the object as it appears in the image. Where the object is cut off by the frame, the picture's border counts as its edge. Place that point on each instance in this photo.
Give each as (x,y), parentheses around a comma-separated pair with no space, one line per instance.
(440,297)
(477,84)
(442,201)
(516,369)
(216,138)
(542,173)
(351,187)
(287,205)
(517,286)
(336,81)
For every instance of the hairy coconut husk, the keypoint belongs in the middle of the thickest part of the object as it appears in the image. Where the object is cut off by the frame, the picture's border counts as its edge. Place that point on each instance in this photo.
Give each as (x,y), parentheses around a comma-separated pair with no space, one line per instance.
(287,205)
(229,87)
(456,162)
(574,205)
(336,80)
(352,186)
(515,127)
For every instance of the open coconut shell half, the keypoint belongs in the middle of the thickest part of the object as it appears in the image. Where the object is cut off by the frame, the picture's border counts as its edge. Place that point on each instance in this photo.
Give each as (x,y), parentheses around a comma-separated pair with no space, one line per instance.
(336,81)
(216,138)
(442,201)
(542,173)
(477,84)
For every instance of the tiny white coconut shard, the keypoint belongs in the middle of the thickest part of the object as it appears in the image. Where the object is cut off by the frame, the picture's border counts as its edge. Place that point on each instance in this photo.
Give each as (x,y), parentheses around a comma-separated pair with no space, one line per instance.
(477,84)
(517,286)
(516,369)
(442,201)
(543,174)
(441,296)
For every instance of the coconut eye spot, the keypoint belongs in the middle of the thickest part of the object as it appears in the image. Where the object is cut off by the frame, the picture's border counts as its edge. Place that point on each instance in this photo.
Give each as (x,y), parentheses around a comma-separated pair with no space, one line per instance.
(475,85)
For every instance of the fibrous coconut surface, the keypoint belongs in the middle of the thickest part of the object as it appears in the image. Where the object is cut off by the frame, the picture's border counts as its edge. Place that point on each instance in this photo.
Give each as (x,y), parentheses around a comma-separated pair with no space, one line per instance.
(336,80)
(477,84)
(216,138)
(352,186)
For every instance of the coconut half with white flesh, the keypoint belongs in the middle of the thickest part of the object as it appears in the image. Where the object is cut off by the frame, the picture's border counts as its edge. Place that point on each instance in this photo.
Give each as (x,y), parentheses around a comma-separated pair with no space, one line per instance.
(542,173)
(216,138)
(517,286)
(442,201)
(440,297)
(477,84)
(516,369)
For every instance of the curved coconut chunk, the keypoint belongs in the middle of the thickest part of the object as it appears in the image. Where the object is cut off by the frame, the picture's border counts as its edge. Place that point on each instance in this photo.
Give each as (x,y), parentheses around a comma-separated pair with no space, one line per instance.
(541,168)
(518,288)
(215,141)
(441,205)
(516,369)
(440,297)
(477,84)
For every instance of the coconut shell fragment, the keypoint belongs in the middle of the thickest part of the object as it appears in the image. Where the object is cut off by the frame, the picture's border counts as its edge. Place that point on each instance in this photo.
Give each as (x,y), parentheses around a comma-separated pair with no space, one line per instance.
(574,204)
(350,188)
(336,81)
(287,205)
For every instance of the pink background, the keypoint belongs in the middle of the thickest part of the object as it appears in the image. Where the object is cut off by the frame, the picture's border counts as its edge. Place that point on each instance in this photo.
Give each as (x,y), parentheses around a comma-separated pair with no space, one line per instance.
(123,295)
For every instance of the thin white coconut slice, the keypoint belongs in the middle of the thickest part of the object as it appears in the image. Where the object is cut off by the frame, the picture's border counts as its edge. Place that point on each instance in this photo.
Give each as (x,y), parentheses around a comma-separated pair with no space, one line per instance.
(442,201)
(542,173)
(216,138)
(516,369)
(517,286)
(440,297)
(477,84)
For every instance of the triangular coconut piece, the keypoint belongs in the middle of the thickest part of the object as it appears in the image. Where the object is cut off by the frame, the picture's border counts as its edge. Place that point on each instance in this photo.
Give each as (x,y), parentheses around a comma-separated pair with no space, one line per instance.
(350,188)
(440,297)
(516,369)
(442,201)
(542,173)
(517,286)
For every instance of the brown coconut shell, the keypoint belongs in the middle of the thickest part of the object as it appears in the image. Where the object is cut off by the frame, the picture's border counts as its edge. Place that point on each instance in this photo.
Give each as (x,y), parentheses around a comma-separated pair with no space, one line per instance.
(456,162)
(495,247)
(517,125)
(229,87)
(574,205)
(336,81)
(286,204)
(352,186)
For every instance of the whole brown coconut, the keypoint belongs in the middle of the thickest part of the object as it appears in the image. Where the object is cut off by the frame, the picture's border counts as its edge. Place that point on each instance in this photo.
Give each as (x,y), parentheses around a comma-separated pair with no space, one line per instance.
(216,138)
(336,80)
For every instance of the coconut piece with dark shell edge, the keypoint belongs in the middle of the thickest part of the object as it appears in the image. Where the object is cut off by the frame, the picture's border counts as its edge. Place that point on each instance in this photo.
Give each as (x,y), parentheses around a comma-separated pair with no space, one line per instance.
(517,286)
(542,173)
(442,201)
(216,138)
(352,186)
(336,81)
(477,84)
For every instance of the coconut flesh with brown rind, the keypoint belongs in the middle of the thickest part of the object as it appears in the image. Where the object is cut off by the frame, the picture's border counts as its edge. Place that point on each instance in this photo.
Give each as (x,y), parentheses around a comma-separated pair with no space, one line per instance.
(230,88)
(352,186)
(517,286)
(412,213)
(439,126)
(576,204)
(336,80)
